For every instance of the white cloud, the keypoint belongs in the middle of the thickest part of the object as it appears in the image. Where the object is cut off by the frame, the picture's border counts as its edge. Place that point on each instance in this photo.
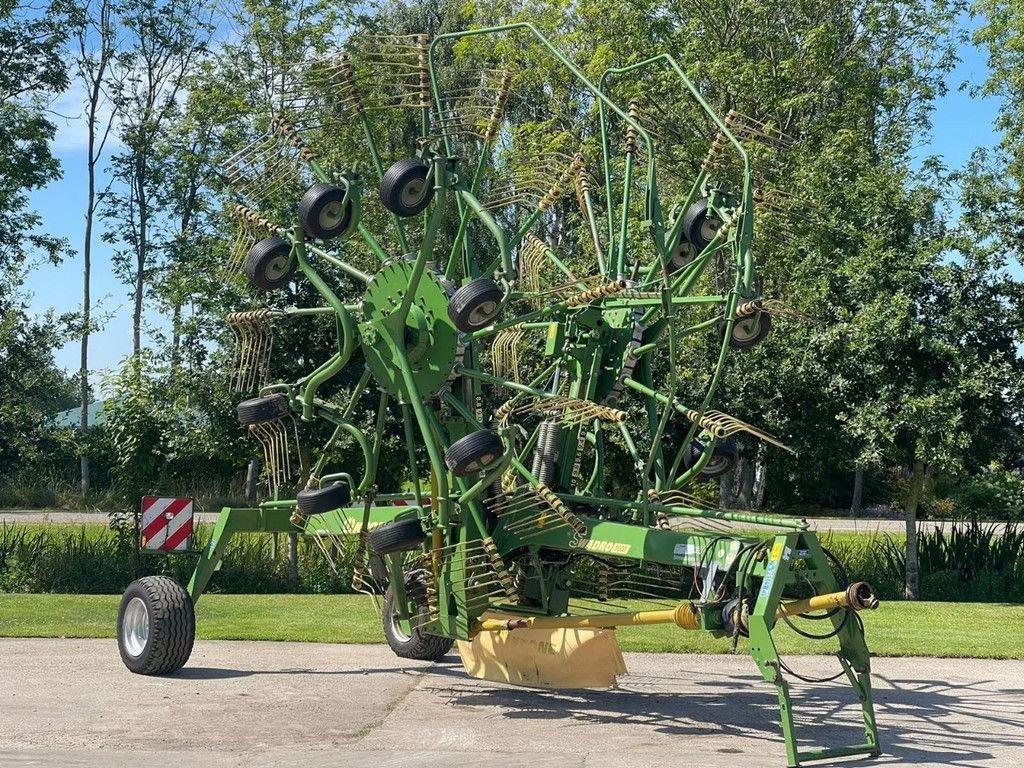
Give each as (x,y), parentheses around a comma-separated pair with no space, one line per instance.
(69,115)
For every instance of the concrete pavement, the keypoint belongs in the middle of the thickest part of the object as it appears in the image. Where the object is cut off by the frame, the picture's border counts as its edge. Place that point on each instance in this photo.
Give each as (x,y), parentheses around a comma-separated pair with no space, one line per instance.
(72,703)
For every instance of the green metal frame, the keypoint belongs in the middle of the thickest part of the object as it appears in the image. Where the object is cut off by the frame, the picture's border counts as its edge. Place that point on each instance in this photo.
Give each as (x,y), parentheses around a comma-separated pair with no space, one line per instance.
(416,357)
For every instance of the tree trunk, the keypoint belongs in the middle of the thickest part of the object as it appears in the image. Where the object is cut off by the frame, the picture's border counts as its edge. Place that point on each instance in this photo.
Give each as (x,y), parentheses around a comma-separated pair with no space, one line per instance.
(140,254)
(744,481)
(912,587)
(726,489)
(760,477)
(176,339)
(293,559)
(83,371)
(858,490)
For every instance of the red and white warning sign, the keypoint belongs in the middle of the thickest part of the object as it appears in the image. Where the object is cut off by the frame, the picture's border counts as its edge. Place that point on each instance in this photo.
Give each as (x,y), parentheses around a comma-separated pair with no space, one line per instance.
(166,523)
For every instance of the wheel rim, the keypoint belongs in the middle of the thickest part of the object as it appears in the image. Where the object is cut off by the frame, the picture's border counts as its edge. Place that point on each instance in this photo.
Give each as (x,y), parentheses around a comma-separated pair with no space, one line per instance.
(331,216)
(413,193)
(396,628)
(277,268)
(716,464)
(477,464)
(135,627)
(708,229)
(746,330)
(683,256)
(483,312)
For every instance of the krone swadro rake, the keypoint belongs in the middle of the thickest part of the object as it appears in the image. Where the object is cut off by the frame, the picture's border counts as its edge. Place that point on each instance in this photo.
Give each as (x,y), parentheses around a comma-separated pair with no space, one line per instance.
(535,275)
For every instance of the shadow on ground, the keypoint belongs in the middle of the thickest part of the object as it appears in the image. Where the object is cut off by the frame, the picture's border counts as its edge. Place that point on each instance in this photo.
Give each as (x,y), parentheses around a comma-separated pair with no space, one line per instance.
(920,721)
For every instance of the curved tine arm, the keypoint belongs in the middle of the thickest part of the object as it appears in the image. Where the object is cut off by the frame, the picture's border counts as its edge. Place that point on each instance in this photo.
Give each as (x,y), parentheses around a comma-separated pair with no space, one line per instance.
(670,60)
(478,210)
(559,56)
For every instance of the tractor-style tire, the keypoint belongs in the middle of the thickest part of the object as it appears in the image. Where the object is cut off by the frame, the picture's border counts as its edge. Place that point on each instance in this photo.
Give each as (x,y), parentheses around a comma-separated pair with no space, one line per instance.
(404,190)
(399,536)
(156,626)
(269,264)
(473,453)
(698,228)
(748,332)
(316,501)
(321,214)
(261,409)
(475,305)
(419,645)
(723,458)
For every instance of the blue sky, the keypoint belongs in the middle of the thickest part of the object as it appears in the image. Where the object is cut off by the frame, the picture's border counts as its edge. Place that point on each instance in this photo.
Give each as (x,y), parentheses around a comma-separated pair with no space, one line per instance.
(961,124)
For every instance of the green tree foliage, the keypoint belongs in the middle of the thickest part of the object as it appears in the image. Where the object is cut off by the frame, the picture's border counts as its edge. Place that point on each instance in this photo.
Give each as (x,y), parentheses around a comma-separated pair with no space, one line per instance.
(30,49)
(32,389)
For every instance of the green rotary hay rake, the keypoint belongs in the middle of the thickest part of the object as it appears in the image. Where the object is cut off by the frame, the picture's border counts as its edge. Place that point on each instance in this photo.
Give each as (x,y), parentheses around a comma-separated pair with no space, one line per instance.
(527,296)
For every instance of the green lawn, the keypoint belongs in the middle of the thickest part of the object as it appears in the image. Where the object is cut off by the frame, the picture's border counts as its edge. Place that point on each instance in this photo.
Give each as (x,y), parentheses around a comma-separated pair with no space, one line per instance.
(980,630)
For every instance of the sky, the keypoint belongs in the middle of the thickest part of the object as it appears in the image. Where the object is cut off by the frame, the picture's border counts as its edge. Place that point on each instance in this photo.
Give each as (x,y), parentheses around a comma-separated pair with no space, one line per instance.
(961,123)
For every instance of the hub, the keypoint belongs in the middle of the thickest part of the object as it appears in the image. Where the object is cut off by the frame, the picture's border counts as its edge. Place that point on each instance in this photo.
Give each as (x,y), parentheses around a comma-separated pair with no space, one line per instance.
(427,339)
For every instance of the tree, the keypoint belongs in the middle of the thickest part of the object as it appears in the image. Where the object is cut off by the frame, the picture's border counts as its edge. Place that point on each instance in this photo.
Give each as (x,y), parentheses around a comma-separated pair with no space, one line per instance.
(30,49)
(163,40)
(96,70)
(32,386)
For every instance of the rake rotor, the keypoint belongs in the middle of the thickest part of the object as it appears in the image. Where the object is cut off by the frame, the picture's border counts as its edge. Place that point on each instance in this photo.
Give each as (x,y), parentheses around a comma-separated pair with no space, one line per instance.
(524,294)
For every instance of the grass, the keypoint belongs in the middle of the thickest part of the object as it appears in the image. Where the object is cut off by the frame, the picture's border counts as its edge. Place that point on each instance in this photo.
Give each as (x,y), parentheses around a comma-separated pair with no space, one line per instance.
(964,630)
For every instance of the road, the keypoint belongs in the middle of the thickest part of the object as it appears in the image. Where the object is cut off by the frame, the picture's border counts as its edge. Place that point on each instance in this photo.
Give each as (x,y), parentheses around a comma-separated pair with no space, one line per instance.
(823,524)
(71,703)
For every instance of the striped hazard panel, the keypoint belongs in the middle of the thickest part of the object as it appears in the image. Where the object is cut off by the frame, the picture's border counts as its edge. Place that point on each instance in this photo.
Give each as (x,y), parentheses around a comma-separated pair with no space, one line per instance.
(166,523)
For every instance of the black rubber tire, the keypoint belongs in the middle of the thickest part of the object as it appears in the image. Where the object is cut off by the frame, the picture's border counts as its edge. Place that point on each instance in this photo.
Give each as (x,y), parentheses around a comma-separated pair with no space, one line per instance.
(319,212)
(745,335)
(172,626)
(316,501)
(694,219)
(723,458)
(261,409)
(378,568)
(403,190)
(419,645)
(473,453)
(475,305)
(399,536)
(269,264)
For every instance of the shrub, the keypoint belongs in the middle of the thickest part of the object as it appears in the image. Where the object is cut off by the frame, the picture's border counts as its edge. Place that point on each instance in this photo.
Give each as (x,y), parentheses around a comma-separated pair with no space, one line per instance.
(996,494)
(94,560)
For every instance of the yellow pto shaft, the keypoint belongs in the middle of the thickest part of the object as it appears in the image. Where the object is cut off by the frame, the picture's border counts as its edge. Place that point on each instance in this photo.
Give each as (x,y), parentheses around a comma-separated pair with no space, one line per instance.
(858,596)
(684,615)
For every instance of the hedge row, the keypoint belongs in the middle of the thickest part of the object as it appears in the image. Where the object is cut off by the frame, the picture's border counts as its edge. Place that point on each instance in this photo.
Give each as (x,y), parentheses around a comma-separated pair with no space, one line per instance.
(966,562)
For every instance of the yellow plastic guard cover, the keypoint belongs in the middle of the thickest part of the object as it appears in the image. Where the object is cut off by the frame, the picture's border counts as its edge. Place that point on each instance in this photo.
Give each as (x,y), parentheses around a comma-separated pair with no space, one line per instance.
(545,658)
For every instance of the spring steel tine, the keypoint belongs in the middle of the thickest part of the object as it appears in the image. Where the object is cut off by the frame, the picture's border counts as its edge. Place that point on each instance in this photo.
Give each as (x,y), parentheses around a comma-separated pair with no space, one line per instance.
(537,520)
(460,566)
(527,504)
(259,432)
(506,352)
(527,535)
(515,503)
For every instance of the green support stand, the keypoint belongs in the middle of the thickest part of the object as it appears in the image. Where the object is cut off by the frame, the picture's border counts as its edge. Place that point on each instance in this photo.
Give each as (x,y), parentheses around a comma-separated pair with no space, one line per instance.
(799,557)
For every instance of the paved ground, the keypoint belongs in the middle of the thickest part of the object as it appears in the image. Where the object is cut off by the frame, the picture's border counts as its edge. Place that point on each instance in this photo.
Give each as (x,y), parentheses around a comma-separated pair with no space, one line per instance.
(820,524)
(70,703)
